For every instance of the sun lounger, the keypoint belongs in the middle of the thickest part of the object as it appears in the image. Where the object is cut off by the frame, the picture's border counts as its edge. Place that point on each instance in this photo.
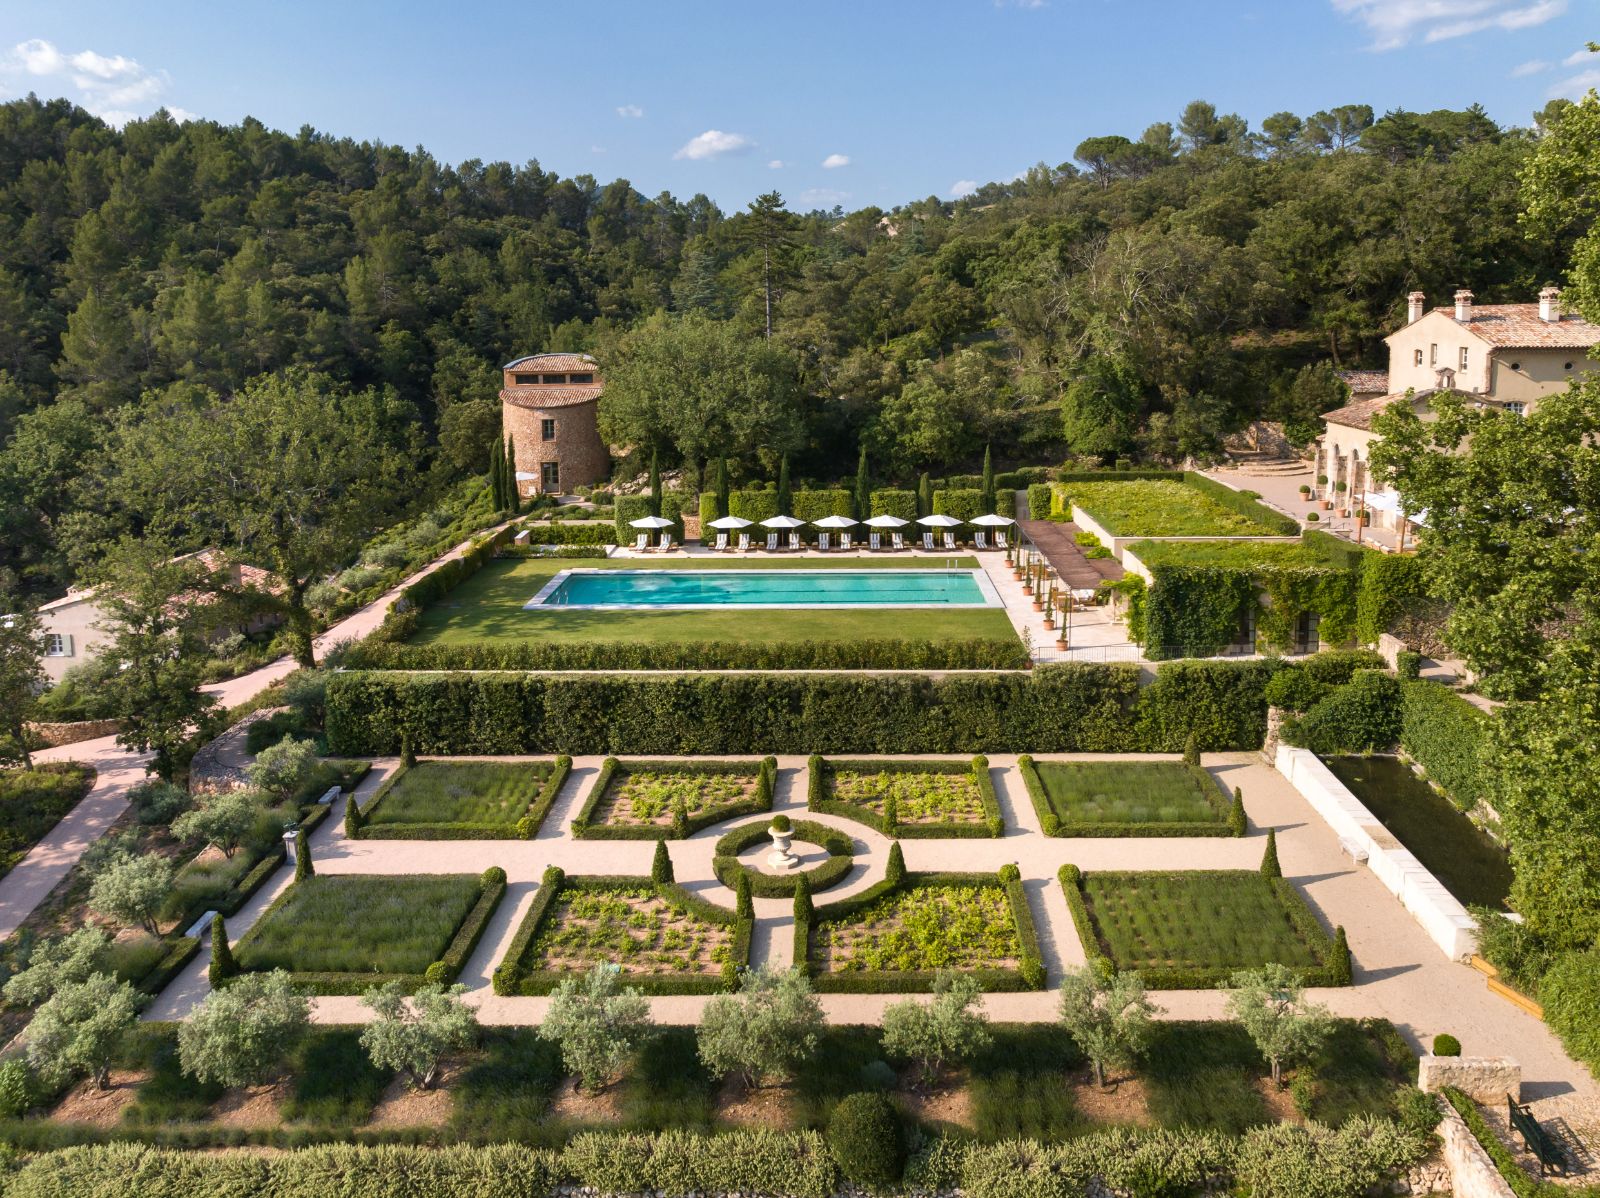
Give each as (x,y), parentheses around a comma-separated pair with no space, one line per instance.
(896,541)
(666,542)
(642,543)
(794,542)
(927,541)
(844,541)
(744,542)
(999,539)
(772,542)
(822,541)
(978,540)
(950,541)
(874,541)
(722,541)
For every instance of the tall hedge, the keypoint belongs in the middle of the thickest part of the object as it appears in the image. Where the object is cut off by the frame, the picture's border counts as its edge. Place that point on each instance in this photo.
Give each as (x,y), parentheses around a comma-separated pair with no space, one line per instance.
(635,507)
(754,505)
(1391,584)
(1073,707)
(963,504)
(1448,737)
(895,503)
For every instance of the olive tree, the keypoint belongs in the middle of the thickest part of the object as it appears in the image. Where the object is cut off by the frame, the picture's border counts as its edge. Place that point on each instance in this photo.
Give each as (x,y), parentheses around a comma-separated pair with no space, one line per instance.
(596,1024)
(225,820)
(131,890)
(412,1038)
(56,963)
(767,1029)
(79,1028)
(950,1030)
(1269,1003)
(1108,1015)
(281,769)
(237,1036)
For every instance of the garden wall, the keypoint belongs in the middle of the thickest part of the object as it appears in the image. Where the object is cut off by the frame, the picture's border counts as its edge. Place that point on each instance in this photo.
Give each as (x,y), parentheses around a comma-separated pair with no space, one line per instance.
(1444,919)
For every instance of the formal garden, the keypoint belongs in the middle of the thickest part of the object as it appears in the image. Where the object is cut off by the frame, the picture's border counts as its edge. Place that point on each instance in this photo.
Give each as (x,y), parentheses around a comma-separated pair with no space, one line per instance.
(650,800)
(460,800)
(1129,798)
(910,799)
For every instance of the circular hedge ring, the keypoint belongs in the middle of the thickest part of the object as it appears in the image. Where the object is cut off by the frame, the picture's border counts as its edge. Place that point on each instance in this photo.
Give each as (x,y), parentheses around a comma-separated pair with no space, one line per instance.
(726,865)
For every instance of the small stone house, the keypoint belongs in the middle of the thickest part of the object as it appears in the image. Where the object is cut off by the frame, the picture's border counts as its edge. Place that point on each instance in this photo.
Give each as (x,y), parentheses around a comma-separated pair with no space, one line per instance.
(549,411)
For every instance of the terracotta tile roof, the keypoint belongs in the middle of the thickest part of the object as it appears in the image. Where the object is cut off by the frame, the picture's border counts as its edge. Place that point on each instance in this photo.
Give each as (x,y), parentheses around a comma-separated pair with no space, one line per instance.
(555,363)
(1365,382)
(551,397)
(1517,326)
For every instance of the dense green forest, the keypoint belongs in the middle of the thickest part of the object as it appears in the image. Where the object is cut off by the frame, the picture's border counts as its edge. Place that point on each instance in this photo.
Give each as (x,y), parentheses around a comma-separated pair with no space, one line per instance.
(1148,299)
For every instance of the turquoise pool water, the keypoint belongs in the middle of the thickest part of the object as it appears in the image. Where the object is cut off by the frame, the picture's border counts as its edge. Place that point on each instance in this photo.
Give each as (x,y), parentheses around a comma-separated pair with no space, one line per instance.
(767,588)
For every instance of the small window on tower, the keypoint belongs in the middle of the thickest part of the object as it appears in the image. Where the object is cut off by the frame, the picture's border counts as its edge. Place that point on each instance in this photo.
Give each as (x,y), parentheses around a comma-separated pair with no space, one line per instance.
(547,430)
(1433,354)
(1417,361)
(1463,357)
(524,380)
(553,378)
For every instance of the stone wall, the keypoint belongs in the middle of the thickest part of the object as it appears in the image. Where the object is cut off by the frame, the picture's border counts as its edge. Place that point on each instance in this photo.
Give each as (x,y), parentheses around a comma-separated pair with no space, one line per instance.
(56,735)
(1484,1079)
(1472,1173)
(219,766)
(577,448)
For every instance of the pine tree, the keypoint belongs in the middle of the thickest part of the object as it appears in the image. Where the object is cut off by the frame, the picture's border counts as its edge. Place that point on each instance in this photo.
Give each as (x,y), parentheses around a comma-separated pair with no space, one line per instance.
(303,868)
(990,498)
(655,483)
(722,487)
(785,500)
(222,964)
(661,867)
(863,487)
(1269,860)
(743,903)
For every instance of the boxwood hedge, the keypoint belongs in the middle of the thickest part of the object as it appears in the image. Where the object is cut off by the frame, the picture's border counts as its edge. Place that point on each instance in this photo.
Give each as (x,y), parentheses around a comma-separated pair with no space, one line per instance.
(613,771)
(839,847)
(819,797)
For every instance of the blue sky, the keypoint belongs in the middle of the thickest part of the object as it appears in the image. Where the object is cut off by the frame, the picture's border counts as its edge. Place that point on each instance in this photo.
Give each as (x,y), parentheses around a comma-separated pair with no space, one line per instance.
(871,102)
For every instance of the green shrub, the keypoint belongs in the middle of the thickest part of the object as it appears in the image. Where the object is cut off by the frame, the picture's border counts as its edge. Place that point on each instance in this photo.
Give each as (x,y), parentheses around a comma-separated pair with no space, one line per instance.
(222,965)
(1446,1045)
(866,1140)
(1407,665)
(1191,749)
(894,871)
(661,864)
(1448,737)
(1039,501)
(1269,858)
(1238,823)
(1362,716)
(782,823)
(895,503)
(1293,689)
(1570,995)
(16,1088)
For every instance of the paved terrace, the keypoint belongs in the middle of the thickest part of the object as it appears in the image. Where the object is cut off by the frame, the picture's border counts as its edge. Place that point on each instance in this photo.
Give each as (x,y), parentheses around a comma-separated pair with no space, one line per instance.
(1399,974)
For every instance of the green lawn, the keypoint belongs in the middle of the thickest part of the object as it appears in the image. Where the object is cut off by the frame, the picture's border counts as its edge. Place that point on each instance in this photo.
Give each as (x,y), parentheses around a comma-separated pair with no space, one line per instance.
(492,793)
(1130,792)
(1150,508)
(1196,921)
(489,607)
(367,923)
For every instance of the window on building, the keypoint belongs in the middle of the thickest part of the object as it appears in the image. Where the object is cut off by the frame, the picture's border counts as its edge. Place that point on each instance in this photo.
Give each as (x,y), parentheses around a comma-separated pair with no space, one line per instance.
(57,644)
(1516,407)
(547,430)
(524,380)
(553,378)
(550,477)
(1463,357)
(580,378)
(1566,366)
(1417,361)
(1433,354)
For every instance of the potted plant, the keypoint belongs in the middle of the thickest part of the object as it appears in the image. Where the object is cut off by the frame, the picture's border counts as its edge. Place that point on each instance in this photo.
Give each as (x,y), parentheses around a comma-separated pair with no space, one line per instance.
(1305,489)
(782,832)
(1050,607)
(1312,517)
(1361,517)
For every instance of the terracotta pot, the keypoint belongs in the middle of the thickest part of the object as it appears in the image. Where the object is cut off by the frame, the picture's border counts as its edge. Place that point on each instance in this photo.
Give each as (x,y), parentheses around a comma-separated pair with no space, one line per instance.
(1049,621)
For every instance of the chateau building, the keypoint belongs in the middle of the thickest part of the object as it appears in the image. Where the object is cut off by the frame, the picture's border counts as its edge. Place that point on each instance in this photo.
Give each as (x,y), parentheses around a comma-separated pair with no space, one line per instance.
(548,411)
(1504,356)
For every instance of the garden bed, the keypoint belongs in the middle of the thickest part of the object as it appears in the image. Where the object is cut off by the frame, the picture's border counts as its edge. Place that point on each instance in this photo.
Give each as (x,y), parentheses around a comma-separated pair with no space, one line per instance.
(345,934)
(908,799)
(1127,798)
(1193,929)
(668,800)
(663,939)
(464,800)
(34,801)
(839,847)
(1162,508)
(1472,867)
(895,936)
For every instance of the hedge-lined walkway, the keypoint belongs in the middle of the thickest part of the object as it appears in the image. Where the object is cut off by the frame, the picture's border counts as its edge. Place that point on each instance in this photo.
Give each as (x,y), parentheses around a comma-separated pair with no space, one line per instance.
(1399,973)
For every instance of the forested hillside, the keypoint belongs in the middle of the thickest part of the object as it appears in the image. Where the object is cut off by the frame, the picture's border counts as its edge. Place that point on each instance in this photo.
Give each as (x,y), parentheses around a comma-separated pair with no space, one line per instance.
(1148,299)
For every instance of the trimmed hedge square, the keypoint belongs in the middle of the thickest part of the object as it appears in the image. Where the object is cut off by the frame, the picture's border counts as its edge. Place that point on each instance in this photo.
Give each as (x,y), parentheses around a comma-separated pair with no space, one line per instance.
(633,923)
(669,800)
(1125,798)
(931,799)
(1192,929)
(345,933)
(464,800)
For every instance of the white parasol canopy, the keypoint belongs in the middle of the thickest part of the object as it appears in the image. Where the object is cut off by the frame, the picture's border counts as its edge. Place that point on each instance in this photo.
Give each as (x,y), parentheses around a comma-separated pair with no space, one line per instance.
(992,521)
(887,522)
(651,522)
(782,522)
(938,521)
(835,522)
(731,522)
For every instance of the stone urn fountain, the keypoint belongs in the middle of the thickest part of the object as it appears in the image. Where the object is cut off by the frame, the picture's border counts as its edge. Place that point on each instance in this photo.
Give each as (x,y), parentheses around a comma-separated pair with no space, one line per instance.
(782,833)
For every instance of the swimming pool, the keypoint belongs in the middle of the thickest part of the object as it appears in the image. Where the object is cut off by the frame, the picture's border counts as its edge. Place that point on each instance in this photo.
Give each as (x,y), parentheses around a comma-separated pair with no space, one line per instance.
(679,590)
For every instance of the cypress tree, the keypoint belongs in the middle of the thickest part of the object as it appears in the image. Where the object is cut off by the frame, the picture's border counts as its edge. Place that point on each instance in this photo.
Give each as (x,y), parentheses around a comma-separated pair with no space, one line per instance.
(785,500)
(1269,860)
(497,475)
(1237,824)
(655,483)
(513,500)
(222,964)
(863,487)
(924,495)
(661,867)
(990,499)
(303,868)
(722,488)
(895,871)
(744,905)
(353,819)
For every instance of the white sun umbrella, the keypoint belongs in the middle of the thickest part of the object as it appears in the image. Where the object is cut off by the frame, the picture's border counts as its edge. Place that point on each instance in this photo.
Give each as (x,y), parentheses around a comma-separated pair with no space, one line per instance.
(992,521)
(887,522)
(938,521)
(731,522)
(782,522)
(835,522)
(651,522)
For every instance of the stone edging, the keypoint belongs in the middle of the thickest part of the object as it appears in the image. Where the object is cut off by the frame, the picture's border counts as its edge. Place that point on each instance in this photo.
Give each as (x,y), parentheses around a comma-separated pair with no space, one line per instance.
(73,732)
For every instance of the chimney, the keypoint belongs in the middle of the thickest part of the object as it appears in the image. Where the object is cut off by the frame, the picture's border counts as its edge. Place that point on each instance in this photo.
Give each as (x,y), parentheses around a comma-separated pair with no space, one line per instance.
(1550,305)
(1416,304)
(1463,306)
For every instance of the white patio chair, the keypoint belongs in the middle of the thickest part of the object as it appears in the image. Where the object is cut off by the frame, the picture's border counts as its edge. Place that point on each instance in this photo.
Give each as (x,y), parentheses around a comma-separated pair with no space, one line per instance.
(794,542)
(666,542)
(874,541)
(978,540)
(844,541)
(722,541)
(927,540)
(999,539)
(822,541)
(949,541)
(642,544)
(896,541)
(772,542)
(744,542)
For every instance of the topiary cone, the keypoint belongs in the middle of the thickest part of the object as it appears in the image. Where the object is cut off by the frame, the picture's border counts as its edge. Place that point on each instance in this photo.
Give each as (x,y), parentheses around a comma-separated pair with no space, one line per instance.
(895,872)
(1269,860)
(354,821)
(1237,823)
(1191,750)
(802,898)
(1343,965)
(303,868)
(661,867)
(223,966)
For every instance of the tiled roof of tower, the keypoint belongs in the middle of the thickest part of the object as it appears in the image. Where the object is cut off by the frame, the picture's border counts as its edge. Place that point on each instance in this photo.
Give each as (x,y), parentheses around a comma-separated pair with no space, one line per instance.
(551,397)
(553,362)
(1517,326)
(1365,382)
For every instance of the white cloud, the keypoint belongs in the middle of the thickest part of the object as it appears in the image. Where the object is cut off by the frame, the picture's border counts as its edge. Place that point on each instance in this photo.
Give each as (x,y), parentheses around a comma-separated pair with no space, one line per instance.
(1020,3)
(1537,66)
(597,149)
(1578,86)
(714,143)
(962,188)
(1578,56)
(823,197)
(834,161)
(1395,23)
(629,111)
(113,87)
(777,164)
